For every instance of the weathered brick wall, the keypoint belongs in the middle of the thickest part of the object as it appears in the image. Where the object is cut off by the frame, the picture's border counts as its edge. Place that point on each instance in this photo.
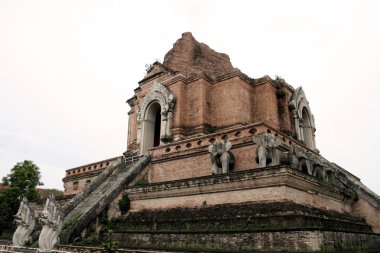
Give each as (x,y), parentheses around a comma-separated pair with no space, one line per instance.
(372,214)
(203,105)
(275,184)
(77,178)
(289,241)
(82,183)
(179,91)
(265,105)
(231,102)
(195,103)
(192,158)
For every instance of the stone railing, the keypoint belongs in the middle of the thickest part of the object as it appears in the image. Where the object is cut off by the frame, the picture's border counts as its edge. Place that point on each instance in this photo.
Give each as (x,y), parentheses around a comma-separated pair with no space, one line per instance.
(95,202)
(69,206)
(132,159)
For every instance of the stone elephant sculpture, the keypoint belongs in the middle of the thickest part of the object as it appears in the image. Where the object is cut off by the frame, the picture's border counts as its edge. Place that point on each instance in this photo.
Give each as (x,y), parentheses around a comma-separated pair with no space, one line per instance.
(221,157)
(321,168)
(300,160)
(267,152)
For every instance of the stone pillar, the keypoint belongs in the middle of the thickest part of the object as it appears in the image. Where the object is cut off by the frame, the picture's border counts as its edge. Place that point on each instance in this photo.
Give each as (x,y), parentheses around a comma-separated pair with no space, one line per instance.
(297,124)
(138,133)
(163,126)
(169,124)
(138,139)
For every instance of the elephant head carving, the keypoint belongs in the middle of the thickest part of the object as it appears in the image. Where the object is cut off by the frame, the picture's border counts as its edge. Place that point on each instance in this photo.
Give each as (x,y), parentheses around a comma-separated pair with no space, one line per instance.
(221,157)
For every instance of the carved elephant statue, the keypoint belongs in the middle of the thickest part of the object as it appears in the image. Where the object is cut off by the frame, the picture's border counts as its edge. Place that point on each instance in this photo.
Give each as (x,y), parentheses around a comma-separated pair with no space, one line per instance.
(221,157)
(300,160)
(322,173)
(321,168)
(267,152)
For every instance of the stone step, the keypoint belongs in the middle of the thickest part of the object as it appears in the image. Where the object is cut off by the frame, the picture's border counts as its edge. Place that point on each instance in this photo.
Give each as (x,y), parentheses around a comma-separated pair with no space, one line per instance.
(99,198)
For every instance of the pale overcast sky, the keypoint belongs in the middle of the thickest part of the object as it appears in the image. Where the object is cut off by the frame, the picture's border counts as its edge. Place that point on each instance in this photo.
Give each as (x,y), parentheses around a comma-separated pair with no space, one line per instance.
(67,68)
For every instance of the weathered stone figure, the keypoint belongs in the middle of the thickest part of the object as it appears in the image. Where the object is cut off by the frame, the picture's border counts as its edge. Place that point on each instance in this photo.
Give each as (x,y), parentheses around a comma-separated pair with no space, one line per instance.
(26,222)
(221,157)
(310,163)
(321,168)
(267,151)
(52,224)
(300,160)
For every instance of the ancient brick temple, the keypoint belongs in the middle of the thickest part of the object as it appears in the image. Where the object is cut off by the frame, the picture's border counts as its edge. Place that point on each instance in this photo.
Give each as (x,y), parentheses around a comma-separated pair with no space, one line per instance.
(218,160)
(196,97)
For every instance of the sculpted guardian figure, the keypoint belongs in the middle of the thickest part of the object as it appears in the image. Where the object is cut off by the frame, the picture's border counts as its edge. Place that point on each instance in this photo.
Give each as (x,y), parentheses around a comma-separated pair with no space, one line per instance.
(310,163)
(300,160)
(25,221)
(267,151)
(51,221)
(221,157)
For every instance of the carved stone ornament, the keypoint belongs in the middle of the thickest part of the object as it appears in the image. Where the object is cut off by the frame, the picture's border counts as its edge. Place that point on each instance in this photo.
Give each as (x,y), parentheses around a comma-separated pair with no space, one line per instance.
(166,99)
(26,222)
(51,220)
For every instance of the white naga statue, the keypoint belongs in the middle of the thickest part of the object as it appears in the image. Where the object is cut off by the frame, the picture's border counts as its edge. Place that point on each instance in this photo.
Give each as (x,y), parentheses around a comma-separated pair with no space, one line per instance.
(51,220)
(25,220)
(267,152)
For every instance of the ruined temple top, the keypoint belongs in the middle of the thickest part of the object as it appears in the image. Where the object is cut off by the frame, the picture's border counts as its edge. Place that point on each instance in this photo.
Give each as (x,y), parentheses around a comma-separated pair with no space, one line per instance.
(190,57)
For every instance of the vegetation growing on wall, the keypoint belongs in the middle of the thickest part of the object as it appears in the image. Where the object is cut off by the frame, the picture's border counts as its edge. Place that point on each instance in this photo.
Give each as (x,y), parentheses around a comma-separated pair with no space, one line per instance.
(124,204)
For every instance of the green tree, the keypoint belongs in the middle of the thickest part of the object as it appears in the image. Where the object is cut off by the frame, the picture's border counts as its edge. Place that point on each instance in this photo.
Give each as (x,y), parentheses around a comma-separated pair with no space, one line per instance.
(9,203)
(24,178)
(22,181)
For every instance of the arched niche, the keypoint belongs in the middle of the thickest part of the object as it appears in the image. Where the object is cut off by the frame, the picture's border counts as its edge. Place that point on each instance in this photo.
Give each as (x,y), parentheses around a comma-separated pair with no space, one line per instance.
(151,131)
(304,125)
(155,112)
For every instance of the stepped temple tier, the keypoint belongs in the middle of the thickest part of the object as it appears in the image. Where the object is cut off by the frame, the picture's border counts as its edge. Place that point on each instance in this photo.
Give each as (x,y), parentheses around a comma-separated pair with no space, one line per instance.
(216,160)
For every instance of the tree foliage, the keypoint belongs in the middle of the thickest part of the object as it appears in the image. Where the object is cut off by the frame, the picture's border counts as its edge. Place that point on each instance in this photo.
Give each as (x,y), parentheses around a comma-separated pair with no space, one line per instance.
(24,178)
(22,181)
(9,203)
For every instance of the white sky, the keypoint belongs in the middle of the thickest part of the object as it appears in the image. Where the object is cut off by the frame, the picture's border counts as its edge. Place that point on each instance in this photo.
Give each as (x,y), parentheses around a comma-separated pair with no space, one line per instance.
(67,68)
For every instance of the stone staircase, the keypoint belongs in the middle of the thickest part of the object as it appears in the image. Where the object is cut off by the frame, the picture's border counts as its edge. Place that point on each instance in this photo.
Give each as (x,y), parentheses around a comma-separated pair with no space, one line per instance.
(86,206)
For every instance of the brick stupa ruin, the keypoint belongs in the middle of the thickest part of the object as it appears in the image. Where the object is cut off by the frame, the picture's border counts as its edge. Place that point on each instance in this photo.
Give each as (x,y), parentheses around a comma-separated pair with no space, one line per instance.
(224,162)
